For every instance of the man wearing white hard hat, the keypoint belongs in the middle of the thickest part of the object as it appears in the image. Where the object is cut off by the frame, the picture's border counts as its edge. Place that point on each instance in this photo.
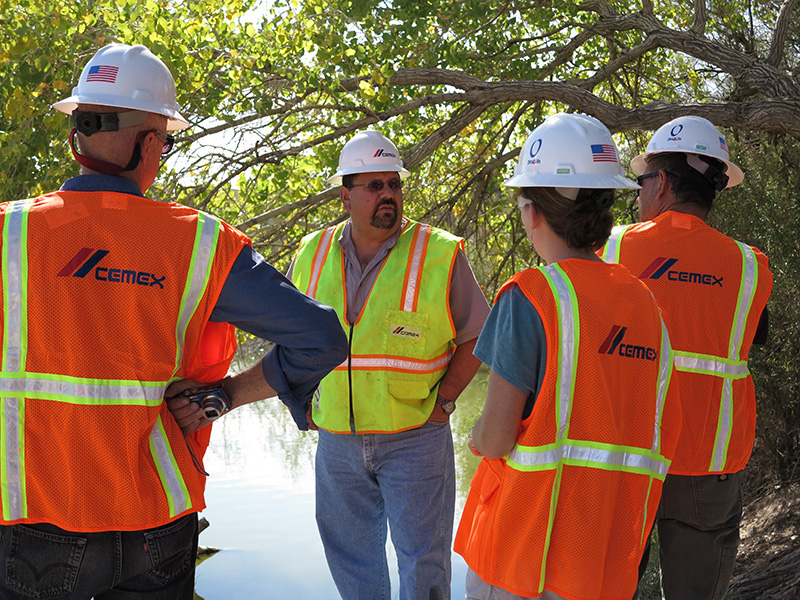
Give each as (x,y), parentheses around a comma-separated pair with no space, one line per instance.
(713,291)
(407,297)
(112,302)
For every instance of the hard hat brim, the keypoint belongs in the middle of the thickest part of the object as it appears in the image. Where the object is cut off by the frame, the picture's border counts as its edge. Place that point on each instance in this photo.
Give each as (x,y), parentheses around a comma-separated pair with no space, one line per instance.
(547,180)
(734,173)
(336,179)
(175,122)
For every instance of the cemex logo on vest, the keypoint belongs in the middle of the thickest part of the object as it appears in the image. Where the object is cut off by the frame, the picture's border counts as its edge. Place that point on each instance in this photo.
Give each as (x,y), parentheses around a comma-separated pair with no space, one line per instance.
(87,261)
(613,343)
(382,152)
(405,331)
(663,265)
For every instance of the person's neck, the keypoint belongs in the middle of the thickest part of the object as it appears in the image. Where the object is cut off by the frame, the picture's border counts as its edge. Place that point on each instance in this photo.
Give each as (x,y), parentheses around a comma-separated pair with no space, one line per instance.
(131,175)
(687,208)
(368,243)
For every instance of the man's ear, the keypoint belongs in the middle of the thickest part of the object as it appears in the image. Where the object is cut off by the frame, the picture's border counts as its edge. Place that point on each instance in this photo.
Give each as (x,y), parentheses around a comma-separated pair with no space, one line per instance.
(344,194)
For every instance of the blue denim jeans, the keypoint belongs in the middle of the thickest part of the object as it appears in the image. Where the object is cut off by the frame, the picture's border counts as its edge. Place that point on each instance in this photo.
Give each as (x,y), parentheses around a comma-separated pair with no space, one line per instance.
(43,561)
(406,479)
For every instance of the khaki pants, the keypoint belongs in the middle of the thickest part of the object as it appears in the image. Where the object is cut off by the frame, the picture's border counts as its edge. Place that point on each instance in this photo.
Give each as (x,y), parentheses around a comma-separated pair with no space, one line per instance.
(477,589)
(698,530)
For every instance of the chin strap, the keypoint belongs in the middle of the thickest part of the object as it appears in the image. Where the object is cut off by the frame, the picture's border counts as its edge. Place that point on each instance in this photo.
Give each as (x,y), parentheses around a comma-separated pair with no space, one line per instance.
(101,166)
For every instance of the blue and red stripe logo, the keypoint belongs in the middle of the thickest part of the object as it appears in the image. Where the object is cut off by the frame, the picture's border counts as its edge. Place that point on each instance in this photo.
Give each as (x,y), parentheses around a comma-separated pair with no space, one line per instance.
(658,267)
(87,260)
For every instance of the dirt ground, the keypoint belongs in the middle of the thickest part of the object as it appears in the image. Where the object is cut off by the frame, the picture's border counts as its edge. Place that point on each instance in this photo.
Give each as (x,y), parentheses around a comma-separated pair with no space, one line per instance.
(768,563)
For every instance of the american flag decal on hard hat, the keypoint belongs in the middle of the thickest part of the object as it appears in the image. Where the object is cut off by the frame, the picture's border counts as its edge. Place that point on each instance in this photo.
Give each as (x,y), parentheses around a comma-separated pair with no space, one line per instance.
(604,153)
(104,73)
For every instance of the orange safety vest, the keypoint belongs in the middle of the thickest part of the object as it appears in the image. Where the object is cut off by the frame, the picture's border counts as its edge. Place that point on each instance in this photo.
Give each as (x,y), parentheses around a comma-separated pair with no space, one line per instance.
(106,300)
(570,508)
(712,290)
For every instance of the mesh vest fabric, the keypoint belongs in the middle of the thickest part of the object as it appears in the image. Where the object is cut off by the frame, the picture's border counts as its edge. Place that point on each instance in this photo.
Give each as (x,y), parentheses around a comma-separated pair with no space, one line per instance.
(401,343)
(712,290)
(570,508)
(106,299)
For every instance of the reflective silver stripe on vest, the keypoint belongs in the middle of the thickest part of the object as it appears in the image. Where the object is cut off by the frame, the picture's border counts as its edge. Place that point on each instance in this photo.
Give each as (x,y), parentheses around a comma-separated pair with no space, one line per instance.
(197,279)
(392,363)
(569,339)
(612,458)
(664,373)
(319,260)
(414,269)
(710,365)
(15,300)
(612,249)
(746,292)
(77,391)
(170,475)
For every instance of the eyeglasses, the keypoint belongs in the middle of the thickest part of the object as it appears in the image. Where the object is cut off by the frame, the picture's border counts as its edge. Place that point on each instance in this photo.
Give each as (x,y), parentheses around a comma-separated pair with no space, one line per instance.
(376,185)
(522,202)
(169,142)
(641,178)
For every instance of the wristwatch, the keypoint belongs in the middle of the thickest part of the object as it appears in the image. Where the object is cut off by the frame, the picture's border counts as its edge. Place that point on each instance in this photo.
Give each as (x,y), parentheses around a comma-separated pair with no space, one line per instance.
(448,406)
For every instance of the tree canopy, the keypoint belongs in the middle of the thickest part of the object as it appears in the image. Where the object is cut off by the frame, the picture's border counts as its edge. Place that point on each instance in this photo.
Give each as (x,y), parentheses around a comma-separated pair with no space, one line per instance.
(274,90)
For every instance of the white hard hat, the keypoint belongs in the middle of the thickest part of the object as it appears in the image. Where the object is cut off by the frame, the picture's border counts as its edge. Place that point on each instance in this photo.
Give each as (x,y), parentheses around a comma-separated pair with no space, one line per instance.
(122,76)
(690,135)
(570,152)
(368,152)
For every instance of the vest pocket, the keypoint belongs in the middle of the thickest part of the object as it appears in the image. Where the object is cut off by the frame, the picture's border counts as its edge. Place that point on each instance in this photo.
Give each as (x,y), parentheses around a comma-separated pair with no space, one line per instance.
(42,564)
(409,391)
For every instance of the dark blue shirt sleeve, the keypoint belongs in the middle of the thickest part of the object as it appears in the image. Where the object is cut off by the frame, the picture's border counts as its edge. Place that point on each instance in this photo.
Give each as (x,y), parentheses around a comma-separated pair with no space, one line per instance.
(514,345)
(308,338)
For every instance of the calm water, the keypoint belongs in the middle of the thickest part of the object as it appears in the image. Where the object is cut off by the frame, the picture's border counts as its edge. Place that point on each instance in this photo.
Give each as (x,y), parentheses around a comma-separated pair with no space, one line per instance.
(260,498)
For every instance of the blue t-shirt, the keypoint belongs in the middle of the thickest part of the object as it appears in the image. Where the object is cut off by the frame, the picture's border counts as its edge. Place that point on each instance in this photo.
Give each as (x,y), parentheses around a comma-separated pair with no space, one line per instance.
(514,345)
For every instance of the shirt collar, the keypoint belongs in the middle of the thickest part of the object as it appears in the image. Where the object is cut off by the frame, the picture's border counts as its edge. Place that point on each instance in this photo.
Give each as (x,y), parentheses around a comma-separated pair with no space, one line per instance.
(101,183)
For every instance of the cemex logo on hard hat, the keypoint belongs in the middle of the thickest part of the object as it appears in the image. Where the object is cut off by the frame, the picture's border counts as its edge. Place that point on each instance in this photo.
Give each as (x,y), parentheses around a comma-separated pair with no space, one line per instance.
(87,260)
(663,265)
(613,343)
(381,152)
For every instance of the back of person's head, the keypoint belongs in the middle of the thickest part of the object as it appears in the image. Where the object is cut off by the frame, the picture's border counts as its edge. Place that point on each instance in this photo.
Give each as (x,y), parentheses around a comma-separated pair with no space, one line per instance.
(687,182)
(584,223)
(569,168)
(694,152)
(123,90)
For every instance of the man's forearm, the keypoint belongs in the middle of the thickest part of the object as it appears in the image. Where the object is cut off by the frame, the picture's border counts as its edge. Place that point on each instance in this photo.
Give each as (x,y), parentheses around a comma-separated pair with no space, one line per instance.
(462,369)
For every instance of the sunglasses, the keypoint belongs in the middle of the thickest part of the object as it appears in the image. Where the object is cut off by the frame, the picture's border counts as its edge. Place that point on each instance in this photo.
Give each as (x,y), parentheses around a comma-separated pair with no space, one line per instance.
(376,185)
(168,140)
(522,202)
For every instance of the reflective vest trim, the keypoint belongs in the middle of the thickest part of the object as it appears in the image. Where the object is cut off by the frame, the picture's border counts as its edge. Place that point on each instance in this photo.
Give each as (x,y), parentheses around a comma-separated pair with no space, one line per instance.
(205,244)
(61,388)
(15,296)
(747,290)
(397,363)
(319,259)
(15,389)
(708,364)
(172,481)
(15,319)
(589,454)
(612,249)
(414,269)
(729,367)
(582,453)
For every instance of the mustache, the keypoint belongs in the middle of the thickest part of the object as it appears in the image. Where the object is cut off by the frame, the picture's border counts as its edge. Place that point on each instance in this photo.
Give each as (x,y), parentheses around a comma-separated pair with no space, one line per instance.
(386,201)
